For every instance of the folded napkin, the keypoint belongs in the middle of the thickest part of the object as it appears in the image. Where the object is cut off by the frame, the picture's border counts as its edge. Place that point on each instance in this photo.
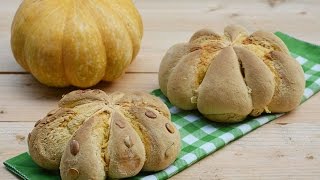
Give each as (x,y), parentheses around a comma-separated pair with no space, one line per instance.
(199,136)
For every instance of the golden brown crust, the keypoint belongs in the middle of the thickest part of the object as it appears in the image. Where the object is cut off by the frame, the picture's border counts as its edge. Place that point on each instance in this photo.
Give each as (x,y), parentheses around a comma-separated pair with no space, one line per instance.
(46,157)
(273,40)
(258,78)
(87,161)
(289,91)
(98,135)
(140,99)
(233,32)
(126,151)
(159,132)
(79,97)
(233,75)
(223,90)
(182,81)
(169,61)
(204,32)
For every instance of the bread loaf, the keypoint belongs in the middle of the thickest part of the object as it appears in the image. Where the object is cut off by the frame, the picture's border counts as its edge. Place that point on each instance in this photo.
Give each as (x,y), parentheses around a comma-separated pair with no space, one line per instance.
(228,77)
(93,135)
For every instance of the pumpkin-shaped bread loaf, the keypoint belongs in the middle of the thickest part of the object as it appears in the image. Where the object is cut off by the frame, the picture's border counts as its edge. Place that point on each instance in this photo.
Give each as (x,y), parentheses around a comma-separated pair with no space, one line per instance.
(93,135)
(79,43)
(228,77)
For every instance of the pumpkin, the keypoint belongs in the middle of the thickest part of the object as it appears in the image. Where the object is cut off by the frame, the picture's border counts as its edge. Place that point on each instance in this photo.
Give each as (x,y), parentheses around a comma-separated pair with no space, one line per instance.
(79,43)
(228,77)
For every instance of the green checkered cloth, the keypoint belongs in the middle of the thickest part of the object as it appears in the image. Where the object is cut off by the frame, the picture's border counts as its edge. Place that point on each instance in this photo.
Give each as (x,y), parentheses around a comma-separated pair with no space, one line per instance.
(199,136)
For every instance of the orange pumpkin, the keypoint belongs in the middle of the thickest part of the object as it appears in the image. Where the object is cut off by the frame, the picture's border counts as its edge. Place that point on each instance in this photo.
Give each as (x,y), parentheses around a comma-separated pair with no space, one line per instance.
(75,42)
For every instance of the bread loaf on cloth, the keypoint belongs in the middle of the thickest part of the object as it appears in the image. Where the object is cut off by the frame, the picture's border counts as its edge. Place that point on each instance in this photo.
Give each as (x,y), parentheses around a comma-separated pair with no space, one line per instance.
(228,77)
(94,135)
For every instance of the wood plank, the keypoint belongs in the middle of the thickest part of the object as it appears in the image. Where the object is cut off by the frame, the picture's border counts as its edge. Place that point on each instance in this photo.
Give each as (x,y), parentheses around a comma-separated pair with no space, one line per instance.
(25,99)
(271,152)
(167,23)
(13,142)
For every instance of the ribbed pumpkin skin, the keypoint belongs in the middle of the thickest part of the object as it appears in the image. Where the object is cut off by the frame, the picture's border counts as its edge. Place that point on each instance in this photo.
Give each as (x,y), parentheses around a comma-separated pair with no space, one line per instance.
(76,42)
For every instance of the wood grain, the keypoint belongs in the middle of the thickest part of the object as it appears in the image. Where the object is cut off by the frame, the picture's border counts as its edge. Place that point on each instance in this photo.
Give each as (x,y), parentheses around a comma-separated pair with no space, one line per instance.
(287,148)
(25,99)
(272,152)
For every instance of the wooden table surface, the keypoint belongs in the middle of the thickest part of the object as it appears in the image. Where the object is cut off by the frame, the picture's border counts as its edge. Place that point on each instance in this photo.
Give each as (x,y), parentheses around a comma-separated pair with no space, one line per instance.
(287,148)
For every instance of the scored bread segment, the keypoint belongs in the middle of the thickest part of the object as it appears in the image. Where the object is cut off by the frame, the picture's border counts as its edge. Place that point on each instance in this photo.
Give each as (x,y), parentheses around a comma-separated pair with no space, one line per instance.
(155,130)
(126,152)
(151,120)
(205,33)
(258,79)
(267,40)
(182,84)
(291,84)
(82,155)
(171,59)
(79,97)
(50,135)
(140,99)
(43,135)
(223,92)
(235,33)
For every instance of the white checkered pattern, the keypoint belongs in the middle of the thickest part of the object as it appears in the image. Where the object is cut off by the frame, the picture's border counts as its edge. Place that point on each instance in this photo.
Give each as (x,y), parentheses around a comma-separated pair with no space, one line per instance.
(244,128)
(191,117)
(208,129)
(301,60)
(208,147)
(190,139)
(171,169)
(189,158)
(307,92)
(227,137)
